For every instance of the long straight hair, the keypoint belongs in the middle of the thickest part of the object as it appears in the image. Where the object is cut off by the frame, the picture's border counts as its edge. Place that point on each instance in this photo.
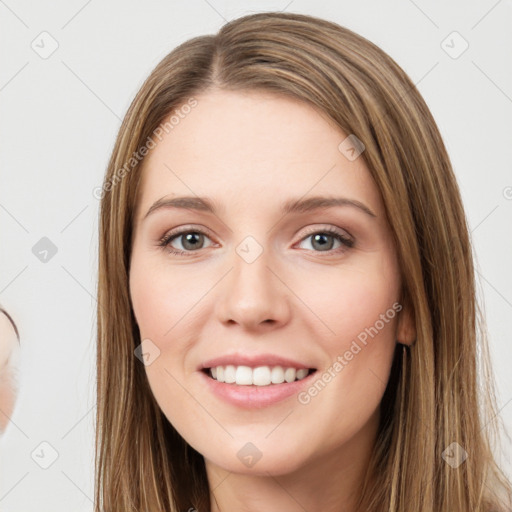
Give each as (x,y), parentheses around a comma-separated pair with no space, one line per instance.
(436,395)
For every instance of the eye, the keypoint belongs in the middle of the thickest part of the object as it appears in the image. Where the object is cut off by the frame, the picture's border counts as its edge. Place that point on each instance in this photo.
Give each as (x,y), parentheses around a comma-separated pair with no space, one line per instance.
(324,239)
(190,241)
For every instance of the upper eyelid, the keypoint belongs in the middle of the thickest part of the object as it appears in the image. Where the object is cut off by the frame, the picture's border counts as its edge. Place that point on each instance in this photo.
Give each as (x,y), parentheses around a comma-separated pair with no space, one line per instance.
(184,230)
(192,228)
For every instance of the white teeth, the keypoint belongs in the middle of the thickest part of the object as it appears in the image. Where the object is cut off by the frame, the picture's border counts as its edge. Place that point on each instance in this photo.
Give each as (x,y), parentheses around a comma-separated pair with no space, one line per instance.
(290,374)
(243,375)
(229,374)
(303,372)
(259,376)
(277,375)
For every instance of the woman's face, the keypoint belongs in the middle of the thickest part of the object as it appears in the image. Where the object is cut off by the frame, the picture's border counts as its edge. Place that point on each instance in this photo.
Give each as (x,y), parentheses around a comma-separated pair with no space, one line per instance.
(268,282)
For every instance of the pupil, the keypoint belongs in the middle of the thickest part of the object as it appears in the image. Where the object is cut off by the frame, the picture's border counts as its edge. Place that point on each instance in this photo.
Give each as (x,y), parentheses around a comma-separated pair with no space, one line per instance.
(189,238)
(319,237)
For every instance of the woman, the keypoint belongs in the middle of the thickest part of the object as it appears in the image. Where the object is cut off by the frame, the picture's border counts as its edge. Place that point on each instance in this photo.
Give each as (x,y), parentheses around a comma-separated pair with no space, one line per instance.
(287,316)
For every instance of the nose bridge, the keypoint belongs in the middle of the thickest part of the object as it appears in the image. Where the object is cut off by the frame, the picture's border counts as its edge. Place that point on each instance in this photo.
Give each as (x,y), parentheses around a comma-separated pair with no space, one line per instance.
(252,294)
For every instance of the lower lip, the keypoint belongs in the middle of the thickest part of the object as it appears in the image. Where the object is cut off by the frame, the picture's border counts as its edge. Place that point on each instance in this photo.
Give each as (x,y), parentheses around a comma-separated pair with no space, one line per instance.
(255,397)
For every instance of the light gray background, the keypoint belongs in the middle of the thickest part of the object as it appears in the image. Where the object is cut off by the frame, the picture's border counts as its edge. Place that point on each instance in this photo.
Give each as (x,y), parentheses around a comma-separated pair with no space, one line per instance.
(58,121)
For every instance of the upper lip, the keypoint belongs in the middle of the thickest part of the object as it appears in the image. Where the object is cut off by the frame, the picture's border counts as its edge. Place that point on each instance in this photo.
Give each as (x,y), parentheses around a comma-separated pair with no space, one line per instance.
(253,361)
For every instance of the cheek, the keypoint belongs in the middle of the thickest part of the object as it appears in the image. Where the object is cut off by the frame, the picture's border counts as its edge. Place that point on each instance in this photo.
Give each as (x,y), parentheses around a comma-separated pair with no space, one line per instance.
(161,299)
(358,308)
(351,300)
(159,303)
(165,304)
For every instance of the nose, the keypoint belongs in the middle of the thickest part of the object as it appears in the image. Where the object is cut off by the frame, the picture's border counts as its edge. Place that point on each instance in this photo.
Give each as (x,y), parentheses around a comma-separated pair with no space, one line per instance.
(253,295)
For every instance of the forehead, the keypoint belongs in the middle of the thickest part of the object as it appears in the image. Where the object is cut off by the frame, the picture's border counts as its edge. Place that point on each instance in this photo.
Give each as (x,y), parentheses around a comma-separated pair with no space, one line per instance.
(250,147)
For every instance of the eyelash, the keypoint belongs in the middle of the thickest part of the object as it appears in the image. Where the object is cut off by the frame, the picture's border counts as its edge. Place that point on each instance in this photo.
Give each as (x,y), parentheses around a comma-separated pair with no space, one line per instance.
(165,241)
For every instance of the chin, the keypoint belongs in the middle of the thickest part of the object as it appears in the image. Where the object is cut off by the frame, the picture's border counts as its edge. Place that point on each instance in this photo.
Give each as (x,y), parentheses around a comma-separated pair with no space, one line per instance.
(276,464)
(259,458)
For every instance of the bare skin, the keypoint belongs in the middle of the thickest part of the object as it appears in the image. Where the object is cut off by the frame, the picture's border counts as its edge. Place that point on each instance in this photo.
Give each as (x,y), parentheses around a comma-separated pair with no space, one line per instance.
(9,352)
(300,299)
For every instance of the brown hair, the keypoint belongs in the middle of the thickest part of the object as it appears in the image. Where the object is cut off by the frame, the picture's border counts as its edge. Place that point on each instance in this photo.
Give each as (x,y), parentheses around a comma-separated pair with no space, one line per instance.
(432,398)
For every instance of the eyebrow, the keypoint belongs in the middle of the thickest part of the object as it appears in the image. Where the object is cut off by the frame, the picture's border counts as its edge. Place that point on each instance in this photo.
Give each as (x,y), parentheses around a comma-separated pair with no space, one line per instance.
(291,206)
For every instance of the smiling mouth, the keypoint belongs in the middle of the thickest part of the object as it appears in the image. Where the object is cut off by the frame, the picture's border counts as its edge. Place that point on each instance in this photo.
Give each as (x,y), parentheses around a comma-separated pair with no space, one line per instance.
(258,376)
